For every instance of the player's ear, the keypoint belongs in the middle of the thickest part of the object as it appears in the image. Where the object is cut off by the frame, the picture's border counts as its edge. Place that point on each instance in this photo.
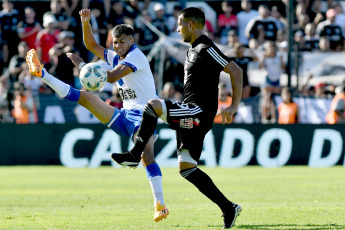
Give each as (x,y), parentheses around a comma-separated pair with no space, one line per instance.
(190,24)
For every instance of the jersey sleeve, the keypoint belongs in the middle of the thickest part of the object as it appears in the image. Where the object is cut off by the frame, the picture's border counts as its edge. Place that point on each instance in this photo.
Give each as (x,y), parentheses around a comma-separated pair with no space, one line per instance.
(216,58)
(134,60)
(110,57)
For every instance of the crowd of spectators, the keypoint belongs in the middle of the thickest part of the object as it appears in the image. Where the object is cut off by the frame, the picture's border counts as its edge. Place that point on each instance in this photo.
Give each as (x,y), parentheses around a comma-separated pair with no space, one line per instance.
(245,27)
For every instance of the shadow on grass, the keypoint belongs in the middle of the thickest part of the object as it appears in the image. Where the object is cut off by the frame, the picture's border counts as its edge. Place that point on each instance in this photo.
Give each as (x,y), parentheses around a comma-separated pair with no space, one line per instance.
(292,226)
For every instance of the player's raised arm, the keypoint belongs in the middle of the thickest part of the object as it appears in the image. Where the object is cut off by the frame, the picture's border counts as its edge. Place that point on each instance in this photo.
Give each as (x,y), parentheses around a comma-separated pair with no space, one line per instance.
(89,40)
(236,76)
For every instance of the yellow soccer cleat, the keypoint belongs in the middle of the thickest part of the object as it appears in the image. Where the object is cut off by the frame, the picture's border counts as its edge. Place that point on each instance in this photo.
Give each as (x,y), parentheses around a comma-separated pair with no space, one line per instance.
(35,66)
(161,212)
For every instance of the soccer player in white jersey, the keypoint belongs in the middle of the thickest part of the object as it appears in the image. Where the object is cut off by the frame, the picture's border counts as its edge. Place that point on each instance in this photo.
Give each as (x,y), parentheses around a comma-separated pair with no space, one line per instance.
(132,74)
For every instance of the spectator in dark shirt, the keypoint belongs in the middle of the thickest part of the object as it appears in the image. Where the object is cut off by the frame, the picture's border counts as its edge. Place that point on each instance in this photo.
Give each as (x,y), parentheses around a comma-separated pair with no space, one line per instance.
(70,8)
(311,42)
(9,18)
(119,15)
(275,13)
(62,19)
(17,61)
(160,19)
(90,4)
(62,65)
(315,12)
(3,53)
(144,36)
(263,27)
(332,31)
(242,57)
(303,20)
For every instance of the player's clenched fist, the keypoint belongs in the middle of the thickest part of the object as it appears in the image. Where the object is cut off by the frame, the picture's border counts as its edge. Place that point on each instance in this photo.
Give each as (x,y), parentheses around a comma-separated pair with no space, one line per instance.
(85,15)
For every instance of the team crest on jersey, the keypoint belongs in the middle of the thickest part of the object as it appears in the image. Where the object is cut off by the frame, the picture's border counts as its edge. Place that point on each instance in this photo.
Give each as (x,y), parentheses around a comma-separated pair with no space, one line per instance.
(180,104)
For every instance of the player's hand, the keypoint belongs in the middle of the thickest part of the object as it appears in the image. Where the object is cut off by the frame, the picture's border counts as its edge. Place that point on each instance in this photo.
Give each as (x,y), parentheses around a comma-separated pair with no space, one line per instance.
(228,113)
(85,15)
(75,59)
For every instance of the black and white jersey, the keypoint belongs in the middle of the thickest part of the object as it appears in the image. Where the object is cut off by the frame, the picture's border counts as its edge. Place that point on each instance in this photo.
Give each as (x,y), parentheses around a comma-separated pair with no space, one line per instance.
(202,68)
(332,31)
(270,25)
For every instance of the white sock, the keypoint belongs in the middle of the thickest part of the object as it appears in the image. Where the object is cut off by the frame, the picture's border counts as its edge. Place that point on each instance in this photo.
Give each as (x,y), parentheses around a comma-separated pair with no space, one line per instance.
(58,86)
(157,189)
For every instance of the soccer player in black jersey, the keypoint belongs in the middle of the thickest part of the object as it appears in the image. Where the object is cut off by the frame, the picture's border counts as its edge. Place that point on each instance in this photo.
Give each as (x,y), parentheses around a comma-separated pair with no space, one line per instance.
(193,117)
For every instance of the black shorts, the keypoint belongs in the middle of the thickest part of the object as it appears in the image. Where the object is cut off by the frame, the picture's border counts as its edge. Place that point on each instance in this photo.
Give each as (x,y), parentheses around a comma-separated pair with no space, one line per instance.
(191,125)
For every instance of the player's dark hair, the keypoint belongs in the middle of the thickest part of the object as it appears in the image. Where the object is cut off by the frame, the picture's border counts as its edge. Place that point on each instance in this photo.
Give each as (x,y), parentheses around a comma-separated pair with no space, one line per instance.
(194,13)
(121,29)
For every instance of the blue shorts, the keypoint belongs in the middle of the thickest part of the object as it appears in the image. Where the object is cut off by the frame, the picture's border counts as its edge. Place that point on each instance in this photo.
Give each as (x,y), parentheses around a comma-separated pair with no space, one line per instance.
(268,83)
(126,122)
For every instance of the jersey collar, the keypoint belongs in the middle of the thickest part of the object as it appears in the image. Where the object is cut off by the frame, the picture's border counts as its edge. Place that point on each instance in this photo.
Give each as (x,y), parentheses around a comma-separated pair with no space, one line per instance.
(198,40)
(133,47)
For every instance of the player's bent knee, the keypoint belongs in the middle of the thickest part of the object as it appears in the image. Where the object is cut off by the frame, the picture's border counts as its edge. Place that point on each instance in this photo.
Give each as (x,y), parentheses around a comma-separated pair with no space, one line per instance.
(153,102)
(156,105)
(186,172)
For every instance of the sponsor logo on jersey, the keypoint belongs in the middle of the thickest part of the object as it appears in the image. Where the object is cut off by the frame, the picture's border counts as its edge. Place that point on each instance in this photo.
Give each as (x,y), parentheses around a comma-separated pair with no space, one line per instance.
(188,123)
(127,94)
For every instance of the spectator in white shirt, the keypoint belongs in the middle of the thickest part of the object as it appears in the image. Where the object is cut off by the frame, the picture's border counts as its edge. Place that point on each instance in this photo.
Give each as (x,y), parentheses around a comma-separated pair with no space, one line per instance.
(243,17)
(340,17)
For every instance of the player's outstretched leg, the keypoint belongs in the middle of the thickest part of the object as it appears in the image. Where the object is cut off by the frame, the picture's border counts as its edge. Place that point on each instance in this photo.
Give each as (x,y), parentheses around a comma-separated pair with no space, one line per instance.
(36,69)
(147,128)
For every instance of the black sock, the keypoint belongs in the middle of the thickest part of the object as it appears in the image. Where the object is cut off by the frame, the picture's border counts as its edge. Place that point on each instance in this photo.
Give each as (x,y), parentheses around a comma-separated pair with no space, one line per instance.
(145,131)
(206,186)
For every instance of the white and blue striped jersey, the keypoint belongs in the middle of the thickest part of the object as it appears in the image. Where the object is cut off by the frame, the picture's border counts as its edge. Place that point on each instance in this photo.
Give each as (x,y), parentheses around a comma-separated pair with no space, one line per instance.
(138,87)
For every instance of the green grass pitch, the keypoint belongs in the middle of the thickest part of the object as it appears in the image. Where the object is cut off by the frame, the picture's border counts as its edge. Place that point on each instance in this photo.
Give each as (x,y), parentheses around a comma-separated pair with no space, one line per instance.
(49,197)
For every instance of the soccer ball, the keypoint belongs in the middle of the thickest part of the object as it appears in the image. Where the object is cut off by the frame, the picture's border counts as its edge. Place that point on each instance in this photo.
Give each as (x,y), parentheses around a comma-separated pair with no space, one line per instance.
(93,76)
